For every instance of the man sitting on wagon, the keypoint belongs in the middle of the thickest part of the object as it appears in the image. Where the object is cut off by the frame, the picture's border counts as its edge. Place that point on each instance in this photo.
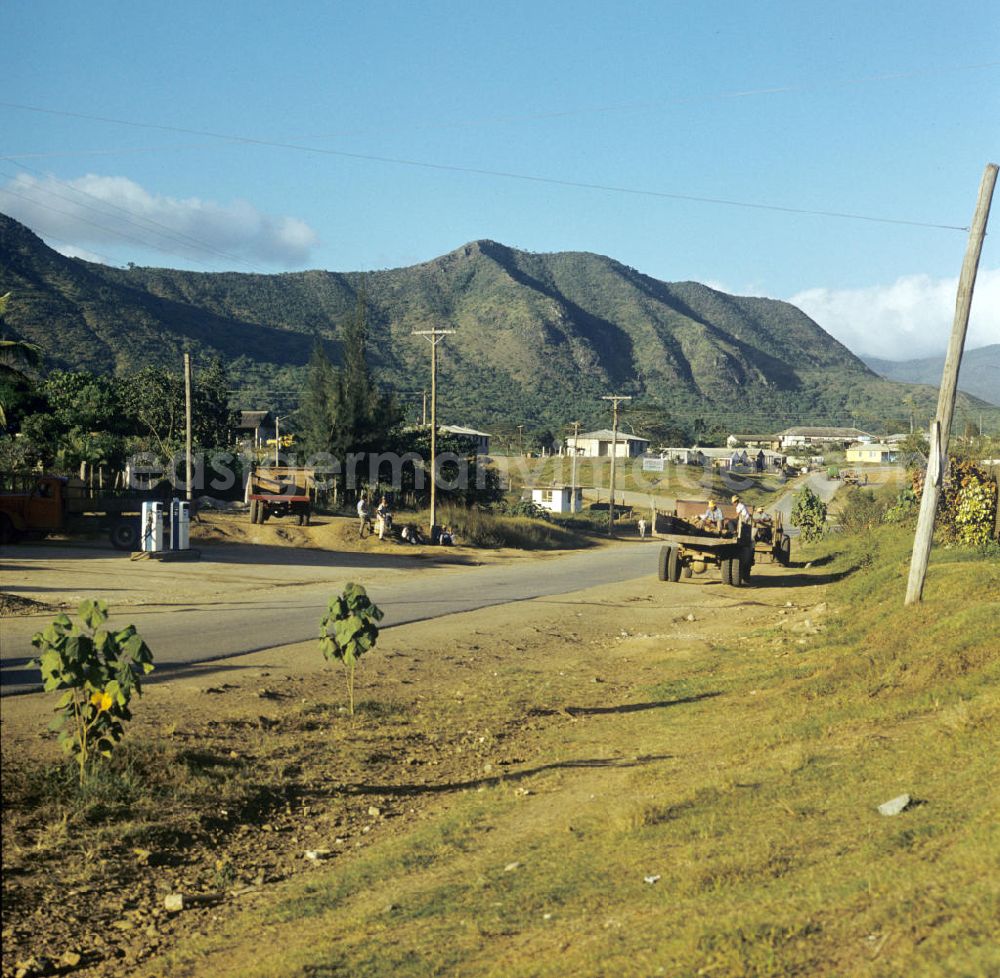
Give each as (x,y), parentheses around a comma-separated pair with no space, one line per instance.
(711,515)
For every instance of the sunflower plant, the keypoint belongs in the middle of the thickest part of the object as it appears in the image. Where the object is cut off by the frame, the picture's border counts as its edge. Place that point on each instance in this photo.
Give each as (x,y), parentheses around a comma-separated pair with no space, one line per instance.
(98,670)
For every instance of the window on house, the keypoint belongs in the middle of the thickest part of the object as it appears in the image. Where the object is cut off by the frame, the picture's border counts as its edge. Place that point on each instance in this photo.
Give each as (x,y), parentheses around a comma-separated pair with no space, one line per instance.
(546,495)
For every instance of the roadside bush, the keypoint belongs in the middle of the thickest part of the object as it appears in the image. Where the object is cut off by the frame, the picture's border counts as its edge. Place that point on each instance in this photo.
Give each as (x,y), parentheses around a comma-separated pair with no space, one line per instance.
(809,514)
(99,671)
(348,630)
(862,511)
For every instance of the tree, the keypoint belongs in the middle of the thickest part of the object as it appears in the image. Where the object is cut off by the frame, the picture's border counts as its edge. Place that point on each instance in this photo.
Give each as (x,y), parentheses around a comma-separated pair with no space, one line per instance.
(316,409)
(16,358)
(362,415)
(153,403)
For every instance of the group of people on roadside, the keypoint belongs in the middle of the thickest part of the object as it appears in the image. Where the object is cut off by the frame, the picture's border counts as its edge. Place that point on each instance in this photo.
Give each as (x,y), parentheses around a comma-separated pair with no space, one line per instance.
(382,525)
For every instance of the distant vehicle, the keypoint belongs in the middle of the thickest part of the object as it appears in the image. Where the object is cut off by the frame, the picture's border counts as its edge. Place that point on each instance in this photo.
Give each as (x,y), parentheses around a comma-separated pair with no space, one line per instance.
(39,505)
(281,491)
(691,549)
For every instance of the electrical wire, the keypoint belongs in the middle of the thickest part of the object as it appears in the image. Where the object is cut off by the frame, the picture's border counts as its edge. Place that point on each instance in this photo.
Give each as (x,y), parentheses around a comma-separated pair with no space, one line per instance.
(502,174)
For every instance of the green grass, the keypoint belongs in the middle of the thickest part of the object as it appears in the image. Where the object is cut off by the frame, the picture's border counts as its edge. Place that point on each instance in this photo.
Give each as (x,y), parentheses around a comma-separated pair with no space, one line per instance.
(752,798)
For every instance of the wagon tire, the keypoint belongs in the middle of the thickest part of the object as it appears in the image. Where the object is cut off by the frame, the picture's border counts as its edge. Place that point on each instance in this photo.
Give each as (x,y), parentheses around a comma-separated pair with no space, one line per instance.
(254,509)
(726,570)
(662,566)
(674,565)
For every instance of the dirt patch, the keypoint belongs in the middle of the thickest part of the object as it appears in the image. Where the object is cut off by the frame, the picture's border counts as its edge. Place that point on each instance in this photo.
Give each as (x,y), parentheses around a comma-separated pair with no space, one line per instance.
(236,771)
(15,604)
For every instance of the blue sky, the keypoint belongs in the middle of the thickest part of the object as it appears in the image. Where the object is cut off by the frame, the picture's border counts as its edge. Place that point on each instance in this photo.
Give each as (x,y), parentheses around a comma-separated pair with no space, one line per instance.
(348,136)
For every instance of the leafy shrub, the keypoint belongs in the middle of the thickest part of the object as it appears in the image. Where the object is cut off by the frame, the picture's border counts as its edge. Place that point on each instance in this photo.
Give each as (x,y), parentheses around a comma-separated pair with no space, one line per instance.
(521,507)
(348,630)
(99,671)
(862,511)
(809,514)
(968,507)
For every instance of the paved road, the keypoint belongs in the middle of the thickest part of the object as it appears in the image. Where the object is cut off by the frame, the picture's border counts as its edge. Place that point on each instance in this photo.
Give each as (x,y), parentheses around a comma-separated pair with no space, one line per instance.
(198,631)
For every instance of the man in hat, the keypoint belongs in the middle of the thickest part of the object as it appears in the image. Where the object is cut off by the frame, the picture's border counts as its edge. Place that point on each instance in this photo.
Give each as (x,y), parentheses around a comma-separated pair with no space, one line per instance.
(711,515)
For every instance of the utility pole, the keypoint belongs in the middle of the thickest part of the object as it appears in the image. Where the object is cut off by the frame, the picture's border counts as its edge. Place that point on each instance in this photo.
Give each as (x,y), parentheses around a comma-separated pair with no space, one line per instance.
(937,461)
(277,440)
(188,448)
(520,439)
(615,399)
(576,438)
(424,422)
(434,336)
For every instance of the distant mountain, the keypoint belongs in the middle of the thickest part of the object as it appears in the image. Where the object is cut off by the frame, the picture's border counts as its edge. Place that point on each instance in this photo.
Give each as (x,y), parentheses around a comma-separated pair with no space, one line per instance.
(979,376)
(538,337)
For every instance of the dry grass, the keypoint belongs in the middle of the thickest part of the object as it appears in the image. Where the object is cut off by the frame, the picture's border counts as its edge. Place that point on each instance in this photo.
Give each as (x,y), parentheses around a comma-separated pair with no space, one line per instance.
(720,821)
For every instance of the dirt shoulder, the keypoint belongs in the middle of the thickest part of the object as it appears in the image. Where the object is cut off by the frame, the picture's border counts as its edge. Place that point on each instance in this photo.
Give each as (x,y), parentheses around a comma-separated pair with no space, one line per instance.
(244,765)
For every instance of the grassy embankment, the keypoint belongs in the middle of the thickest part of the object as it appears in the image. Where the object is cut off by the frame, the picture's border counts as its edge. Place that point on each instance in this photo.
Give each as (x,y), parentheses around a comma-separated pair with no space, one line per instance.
(676,481)
(754,767)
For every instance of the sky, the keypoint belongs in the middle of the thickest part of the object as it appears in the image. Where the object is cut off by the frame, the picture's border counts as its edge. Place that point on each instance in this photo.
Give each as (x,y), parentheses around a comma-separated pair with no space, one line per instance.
(826,155)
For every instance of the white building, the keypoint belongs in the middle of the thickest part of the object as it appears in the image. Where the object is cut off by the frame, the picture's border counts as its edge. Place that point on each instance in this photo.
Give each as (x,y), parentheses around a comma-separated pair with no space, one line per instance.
(597,444)
(479,439)
(558,499)
(800,437)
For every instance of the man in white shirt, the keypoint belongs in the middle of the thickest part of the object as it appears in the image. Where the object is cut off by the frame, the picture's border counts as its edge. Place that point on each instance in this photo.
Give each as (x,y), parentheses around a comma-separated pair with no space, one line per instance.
(741,509)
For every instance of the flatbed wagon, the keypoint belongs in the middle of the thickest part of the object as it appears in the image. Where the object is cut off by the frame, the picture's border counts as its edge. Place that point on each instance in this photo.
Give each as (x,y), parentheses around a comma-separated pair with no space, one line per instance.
(691,549)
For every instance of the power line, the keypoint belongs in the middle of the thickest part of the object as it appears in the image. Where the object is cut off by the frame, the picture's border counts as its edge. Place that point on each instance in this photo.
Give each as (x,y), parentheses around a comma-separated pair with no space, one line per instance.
(503,174)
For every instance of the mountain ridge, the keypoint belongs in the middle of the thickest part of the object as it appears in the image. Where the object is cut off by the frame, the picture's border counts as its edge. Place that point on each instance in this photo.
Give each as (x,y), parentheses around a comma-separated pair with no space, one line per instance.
(538,337)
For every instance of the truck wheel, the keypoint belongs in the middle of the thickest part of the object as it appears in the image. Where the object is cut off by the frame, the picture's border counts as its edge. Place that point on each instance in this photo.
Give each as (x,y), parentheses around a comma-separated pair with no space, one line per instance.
(254,509)
(662,563)
(302,519)
(124,536)
(746,563)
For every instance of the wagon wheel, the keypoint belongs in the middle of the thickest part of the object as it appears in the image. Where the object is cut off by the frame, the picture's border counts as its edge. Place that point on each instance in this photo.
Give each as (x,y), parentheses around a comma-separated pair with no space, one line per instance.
(746,563)
(674,565)
(726,570)
(662,564)
(785,550)
(254,508)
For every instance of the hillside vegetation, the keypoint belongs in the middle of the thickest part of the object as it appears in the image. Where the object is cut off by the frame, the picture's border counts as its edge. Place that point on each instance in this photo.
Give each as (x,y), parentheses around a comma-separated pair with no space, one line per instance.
(539,337)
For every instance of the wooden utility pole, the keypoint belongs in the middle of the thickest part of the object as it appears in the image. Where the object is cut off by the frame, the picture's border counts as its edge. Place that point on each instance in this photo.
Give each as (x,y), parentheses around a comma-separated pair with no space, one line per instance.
(434,336)
(615,399)
(937,462)
(572,477)
(188,447)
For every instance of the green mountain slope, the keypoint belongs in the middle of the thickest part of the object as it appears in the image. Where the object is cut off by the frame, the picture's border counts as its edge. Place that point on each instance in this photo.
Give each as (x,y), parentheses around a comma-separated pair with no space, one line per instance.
(538,337)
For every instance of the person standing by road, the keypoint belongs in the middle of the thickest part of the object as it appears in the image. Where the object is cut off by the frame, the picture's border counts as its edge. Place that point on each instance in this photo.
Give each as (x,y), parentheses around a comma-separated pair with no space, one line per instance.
(364,517)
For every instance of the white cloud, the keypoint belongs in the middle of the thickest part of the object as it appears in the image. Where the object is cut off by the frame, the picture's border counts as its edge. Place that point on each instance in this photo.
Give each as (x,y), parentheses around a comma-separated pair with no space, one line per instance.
(104,211)
(909,318)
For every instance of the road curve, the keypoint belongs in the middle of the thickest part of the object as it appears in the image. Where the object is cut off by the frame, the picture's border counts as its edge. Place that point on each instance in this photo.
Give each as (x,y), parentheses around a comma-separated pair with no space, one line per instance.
(194,631)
